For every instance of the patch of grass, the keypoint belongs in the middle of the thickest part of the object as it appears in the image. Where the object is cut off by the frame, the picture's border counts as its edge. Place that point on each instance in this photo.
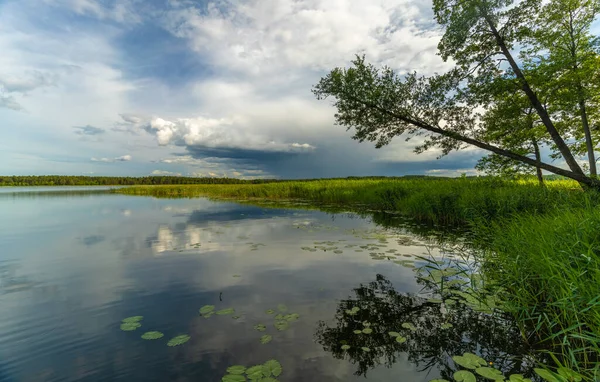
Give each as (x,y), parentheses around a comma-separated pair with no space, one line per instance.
(549,267)
(451,202)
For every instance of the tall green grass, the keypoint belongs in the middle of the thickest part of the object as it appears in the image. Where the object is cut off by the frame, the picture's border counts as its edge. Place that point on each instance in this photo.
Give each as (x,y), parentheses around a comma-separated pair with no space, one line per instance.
(549,267)
(434,201)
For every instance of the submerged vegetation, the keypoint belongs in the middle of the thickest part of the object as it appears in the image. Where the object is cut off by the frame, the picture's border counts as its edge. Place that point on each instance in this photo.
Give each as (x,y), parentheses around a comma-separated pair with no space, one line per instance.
(538,245)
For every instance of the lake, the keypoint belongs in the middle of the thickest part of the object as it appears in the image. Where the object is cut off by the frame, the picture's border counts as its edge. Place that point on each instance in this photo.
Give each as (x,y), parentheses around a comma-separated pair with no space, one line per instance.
(319,293)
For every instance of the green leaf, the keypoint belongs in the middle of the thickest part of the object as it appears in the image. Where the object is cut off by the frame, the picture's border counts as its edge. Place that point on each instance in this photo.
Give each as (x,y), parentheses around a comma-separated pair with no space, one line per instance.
(367,330)
(152,335)
(223,312)
(207,315)
(207,309)
(446,325)
(236,369)
(475,359)
(358,331)
(549,376)
(279,316)
(291,317)
(265,339)
(179,340)
(365,349)
(345,347)
(270,311)
(233,378)
(129,326)
(255,373)
(518,378)
(464,376)
(571,375)
(281,325)
(260,327)
(273,367)
(132,319)
(401,339)
(408,325)
(394,334)
(490,373)
(439,380)
(268,379)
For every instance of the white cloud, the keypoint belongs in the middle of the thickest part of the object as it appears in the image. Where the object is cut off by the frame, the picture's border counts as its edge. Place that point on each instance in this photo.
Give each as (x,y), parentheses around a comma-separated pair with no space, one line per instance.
(124,158)
(165,173)
(122,11)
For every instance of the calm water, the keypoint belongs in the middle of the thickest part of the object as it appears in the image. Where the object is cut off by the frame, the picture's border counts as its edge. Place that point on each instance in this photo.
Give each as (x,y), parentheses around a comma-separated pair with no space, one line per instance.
(73,266)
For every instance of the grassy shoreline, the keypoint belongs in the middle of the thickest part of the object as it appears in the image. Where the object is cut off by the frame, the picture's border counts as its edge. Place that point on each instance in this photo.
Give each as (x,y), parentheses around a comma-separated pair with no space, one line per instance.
(540,244)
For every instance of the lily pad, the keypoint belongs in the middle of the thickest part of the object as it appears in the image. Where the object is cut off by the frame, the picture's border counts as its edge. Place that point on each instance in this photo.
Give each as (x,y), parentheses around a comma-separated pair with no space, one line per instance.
(223,312)
(439,380)
(281,325)
(273,367)
(255,372)
(260,327)
(446,325)
(129,326)
(265,339)
(233,378)
(279,316)
(365,349)
(207,309)
(490,373)
(133,319)
(464,376)
(270,311)
(236,369)
(291,317)
(345,347)
(358,331)
(401,339)
(367,330)
(394,334)
(152,335)
(207,315)
(179,340)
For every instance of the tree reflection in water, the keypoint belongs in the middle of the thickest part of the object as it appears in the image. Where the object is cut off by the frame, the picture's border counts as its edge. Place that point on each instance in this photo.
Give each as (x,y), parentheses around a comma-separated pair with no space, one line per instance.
(494,337)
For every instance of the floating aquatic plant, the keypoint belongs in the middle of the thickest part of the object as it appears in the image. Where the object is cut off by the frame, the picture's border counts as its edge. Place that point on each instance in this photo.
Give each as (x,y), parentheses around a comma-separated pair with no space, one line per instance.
(345,347)
(179,340)
(206,309)
(129,326)
(223,312)
(464,376)
(367,330)
(469,361)
(132,319)
(152,335)
(270,311)
(365,349)
(265,339)
(260,327)
(236,369)
(281,325)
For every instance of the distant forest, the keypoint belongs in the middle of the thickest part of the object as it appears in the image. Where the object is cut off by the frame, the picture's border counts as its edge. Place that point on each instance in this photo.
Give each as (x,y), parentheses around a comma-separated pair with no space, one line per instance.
(62,180)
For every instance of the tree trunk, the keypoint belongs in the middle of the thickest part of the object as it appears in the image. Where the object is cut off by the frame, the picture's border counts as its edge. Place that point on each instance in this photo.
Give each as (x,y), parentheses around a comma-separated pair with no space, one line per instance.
(588,135)
(535,102)
(538,159)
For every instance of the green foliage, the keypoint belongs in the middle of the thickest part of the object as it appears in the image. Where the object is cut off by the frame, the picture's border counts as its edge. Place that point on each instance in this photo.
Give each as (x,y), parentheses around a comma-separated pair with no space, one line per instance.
(179,340)
(152,335)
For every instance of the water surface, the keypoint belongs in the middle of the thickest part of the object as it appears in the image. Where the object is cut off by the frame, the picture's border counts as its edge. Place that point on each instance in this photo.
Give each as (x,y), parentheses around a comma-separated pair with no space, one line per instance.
(73,266)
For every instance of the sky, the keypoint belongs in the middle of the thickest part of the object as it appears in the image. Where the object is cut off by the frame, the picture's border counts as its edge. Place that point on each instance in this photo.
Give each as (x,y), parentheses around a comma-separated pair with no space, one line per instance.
(202,87)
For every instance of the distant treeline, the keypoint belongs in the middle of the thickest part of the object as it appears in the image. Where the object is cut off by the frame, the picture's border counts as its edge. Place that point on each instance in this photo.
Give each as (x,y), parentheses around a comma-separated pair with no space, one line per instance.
(62,180)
